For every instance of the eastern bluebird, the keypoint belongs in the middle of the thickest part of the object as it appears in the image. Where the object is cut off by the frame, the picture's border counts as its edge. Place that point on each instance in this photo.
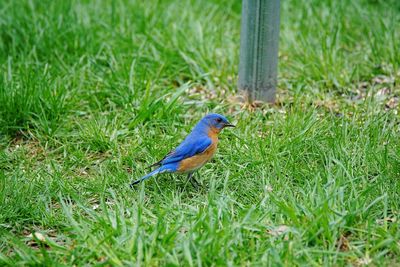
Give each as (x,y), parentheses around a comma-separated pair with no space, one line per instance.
(197,148)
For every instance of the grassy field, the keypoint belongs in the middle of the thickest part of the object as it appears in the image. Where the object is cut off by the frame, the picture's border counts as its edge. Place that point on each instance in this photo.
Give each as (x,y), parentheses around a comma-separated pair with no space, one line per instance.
(91,92)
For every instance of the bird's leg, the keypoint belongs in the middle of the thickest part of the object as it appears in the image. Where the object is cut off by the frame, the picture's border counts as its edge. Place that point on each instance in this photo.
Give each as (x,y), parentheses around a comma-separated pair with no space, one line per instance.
(193,181)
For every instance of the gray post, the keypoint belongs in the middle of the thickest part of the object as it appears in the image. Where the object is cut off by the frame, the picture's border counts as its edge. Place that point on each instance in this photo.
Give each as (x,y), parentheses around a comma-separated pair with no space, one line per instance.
(259,49)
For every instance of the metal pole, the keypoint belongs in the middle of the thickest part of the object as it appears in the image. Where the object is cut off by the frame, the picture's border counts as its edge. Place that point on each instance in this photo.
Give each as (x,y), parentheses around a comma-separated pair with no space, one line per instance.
(259,49)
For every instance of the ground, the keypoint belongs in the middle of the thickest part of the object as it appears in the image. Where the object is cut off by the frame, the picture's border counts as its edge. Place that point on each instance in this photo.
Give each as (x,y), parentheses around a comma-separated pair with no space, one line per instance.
(91,92)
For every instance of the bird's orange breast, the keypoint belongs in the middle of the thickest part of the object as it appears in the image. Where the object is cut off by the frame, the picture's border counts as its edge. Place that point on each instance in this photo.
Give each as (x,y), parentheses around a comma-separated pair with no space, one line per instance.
(195,162)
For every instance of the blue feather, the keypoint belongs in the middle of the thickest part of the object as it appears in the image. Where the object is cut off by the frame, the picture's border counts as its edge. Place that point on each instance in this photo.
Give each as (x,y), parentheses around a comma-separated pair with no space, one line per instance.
(188,148)
(164,168)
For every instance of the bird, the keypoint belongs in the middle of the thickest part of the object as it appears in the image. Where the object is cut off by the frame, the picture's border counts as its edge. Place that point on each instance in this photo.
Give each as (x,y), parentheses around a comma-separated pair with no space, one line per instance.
(195,150)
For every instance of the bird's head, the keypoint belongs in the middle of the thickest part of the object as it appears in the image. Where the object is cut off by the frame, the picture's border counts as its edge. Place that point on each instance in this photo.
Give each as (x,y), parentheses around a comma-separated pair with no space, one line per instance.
(216,122)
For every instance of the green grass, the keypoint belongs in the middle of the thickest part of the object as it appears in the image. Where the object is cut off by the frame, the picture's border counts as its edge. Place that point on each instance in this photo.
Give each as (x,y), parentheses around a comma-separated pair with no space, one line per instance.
(91,92)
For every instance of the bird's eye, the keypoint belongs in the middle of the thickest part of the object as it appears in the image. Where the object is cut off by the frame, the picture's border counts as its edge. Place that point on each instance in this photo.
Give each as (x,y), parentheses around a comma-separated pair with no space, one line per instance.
(218,120)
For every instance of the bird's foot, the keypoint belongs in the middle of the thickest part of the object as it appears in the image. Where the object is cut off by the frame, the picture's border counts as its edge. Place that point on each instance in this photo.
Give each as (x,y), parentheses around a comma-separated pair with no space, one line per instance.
(195,183)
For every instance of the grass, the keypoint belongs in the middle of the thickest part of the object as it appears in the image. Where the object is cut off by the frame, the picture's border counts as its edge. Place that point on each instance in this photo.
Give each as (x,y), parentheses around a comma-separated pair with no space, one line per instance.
(91,92)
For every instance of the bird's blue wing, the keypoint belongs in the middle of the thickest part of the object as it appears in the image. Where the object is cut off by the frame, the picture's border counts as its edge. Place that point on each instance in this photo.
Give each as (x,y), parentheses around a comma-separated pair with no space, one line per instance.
(191,146)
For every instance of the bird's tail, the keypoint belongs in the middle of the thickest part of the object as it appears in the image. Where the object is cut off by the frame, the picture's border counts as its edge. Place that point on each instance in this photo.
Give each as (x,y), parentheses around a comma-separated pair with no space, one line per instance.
(147,176)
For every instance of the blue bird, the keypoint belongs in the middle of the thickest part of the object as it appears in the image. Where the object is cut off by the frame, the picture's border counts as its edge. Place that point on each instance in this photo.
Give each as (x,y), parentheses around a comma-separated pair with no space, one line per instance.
(197,148)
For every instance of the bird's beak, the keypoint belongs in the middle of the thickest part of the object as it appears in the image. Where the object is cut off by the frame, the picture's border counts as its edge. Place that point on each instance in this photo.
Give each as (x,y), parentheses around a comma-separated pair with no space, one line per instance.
(229,125)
